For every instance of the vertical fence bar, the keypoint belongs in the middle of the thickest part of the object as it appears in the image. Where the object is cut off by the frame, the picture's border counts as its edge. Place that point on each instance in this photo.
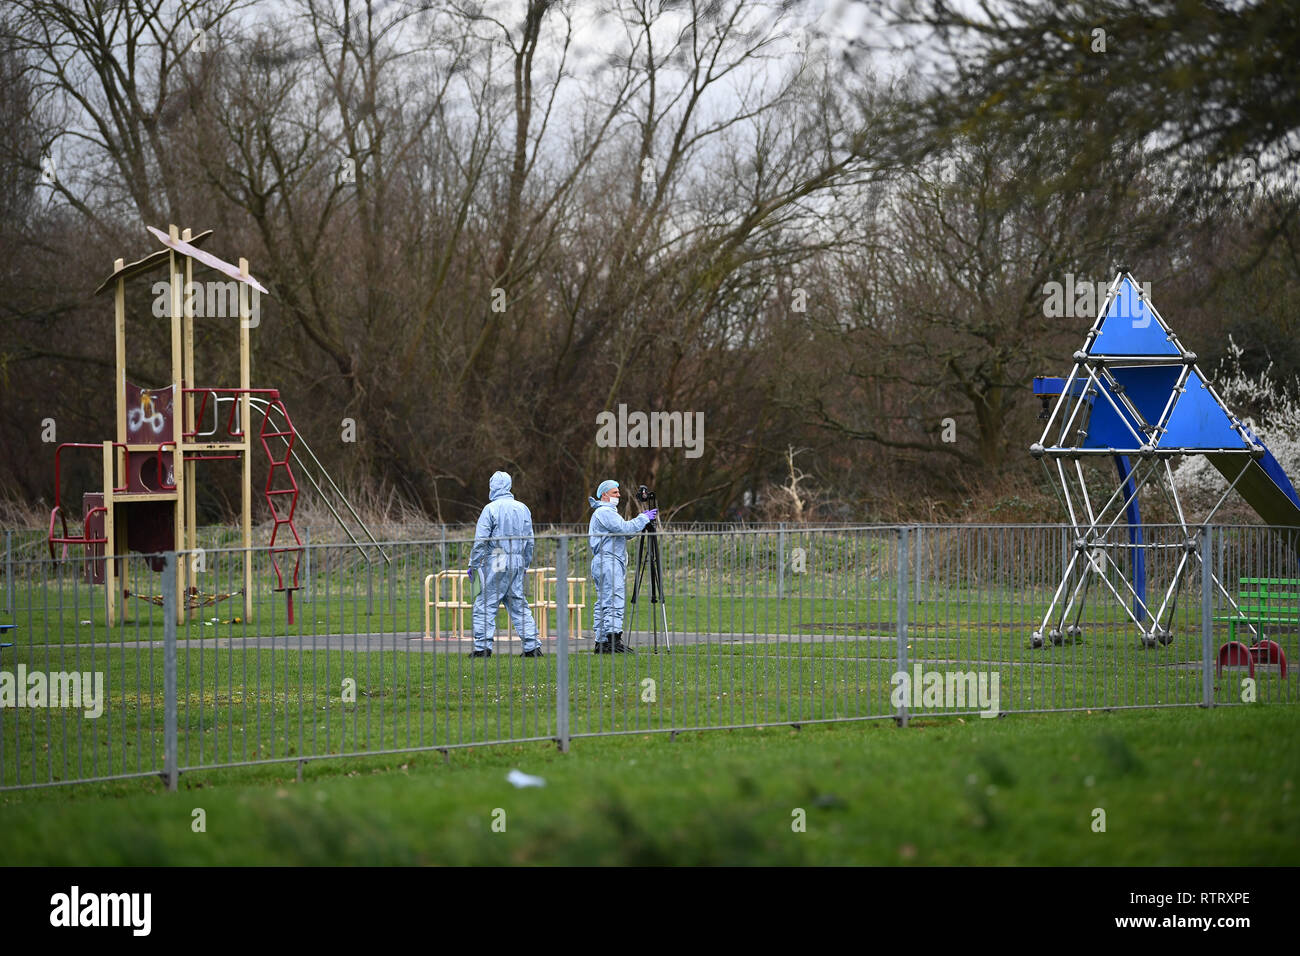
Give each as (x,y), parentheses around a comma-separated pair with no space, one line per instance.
(780,565)
(1222,538)
(1207,618)
(562,643)
(901,604)
(917,577)
(170,764)
(392,584)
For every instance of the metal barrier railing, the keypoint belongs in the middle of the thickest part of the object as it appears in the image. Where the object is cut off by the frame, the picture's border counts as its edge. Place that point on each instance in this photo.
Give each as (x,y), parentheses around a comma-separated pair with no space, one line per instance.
(783,626)
(544,583)
(434,603)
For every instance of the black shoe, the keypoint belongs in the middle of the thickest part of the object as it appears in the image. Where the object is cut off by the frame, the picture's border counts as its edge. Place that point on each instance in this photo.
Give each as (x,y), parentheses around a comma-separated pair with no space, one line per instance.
(480,654)
(535,652)
(619,646)
(606,646)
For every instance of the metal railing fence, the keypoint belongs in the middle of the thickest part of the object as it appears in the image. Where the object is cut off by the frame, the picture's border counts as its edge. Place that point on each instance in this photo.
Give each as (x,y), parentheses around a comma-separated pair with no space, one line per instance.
(226,658)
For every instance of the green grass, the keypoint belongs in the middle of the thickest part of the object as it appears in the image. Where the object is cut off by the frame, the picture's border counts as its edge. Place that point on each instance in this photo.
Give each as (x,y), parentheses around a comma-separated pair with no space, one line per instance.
(242,704)
(1186,787)
(715,583)
(69,612)
(247,704)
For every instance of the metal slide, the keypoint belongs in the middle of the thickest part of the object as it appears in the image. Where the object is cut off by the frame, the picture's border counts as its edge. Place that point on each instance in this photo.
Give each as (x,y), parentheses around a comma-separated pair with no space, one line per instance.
(1266,488)
(325,486)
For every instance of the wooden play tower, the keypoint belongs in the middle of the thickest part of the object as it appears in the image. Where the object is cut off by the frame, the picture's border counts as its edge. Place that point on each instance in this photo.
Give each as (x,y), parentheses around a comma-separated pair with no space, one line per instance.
(147,504)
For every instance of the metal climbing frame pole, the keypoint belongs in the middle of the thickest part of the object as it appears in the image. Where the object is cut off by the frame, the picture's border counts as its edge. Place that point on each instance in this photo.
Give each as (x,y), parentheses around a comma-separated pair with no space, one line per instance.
(246,441)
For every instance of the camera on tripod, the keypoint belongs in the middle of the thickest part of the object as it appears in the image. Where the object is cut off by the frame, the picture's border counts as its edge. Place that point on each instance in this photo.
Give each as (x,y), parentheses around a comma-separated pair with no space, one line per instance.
(647,556)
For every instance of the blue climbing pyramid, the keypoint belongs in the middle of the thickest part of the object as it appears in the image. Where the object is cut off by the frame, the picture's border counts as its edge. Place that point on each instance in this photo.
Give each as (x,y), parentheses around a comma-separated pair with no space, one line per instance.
(1133,400)
(1129,328)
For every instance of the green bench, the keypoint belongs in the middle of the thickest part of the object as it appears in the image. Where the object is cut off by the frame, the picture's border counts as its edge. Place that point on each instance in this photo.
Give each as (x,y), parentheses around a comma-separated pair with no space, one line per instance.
(1268,602)
(1273,601)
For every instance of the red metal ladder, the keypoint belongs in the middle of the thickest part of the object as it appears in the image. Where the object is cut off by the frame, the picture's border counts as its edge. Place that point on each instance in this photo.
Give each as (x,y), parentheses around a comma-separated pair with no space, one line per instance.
(268,431)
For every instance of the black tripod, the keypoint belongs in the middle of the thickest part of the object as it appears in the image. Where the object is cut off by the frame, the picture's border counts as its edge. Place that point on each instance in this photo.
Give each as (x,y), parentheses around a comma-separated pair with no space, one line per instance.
(657,595)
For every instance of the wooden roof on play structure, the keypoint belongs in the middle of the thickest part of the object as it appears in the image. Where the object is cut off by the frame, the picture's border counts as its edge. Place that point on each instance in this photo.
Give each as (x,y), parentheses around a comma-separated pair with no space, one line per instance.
(188,247)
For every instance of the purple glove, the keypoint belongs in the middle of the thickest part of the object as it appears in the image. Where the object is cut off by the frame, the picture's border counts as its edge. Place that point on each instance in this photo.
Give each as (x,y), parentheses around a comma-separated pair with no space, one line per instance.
(651,514)
(470,581)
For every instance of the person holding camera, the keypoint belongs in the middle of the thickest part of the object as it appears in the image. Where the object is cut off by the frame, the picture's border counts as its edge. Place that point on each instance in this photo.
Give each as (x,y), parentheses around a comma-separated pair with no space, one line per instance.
(607,535)
(503,550)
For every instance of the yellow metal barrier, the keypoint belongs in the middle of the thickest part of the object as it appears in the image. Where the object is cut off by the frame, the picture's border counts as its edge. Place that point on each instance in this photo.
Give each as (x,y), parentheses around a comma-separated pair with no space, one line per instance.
(455,603)
(544,584)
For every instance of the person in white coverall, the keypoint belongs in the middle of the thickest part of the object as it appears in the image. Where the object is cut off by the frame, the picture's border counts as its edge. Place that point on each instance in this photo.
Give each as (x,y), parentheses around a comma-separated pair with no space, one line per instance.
(607,535)
(503,550)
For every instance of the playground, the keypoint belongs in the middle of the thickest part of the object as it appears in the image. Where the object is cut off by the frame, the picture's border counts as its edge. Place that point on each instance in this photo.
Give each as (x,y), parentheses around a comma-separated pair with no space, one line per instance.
(220,651)
(954,346)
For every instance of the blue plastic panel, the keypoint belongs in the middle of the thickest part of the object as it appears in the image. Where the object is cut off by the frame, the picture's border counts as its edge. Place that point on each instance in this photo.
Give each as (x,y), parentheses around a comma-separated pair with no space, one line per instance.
(1199,421)
(1106,427)
(1148,387)
(1130,328)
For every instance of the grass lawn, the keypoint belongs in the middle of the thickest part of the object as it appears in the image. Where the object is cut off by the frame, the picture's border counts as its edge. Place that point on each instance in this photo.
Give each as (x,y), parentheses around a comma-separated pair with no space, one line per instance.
(1178,787)
(715,584)
(245,703)
(971,625)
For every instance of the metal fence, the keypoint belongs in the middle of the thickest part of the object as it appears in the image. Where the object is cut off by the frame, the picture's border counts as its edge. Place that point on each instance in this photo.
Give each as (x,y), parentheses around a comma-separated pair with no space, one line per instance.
(223,663)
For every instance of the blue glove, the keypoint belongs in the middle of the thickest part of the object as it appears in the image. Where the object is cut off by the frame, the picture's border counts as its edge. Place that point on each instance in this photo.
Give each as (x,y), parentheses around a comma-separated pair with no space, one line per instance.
(470,580)
(651,514)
